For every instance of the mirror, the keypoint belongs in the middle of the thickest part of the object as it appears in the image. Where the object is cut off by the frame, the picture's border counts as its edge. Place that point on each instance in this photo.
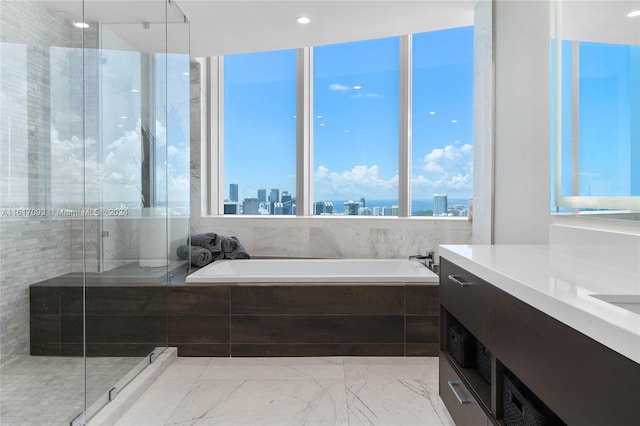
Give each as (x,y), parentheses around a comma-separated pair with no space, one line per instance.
(596,108)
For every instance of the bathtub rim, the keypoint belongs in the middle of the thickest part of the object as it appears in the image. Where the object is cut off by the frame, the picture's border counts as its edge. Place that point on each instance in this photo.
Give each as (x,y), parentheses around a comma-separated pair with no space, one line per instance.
(422,276)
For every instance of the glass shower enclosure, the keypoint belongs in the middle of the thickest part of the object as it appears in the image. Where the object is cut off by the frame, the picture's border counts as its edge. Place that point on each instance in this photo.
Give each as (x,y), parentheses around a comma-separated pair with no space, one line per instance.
(94,198)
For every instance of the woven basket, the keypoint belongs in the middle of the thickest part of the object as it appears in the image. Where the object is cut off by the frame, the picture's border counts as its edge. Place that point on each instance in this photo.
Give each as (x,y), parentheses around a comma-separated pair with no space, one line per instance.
(483,361)
(462,345)
(522,407)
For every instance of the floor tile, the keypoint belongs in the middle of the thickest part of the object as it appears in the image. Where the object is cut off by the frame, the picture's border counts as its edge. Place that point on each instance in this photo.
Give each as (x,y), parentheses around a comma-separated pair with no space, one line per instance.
(157,404)
(185,369)
(274,369)
(263,403)
(356,368)
(397,402)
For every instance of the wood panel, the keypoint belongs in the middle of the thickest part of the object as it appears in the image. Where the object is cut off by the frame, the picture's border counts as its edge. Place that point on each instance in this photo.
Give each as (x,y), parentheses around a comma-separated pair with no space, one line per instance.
(206,300)
(564,367)
(423,300)
(319,349)
(317,329)
(318,299)
(198,329)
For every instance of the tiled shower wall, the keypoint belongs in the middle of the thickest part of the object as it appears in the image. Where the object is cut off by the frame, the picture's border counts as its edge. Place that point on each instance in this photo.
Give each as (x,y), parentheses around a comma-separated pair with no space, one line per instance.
(33,248)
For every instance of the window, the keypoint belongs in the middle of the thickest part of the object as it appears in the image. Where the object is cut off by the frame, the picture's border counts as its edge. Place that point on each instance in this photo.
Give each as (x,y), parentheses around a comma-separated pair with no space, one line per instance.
(355,140)
(442,122)
(355,95)
(260,133)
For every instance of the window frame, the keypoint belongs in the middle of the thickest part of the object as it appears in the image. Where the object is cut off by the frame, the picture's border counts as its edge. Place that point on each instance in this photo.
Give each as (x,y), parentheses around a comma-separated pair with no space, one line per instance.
(213,88)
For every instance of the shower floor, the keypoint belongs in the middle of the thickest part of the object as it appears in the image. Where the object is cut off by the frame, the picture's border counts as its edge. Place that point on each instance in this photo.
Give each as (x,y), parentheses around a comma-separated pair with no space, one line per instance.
(39,390)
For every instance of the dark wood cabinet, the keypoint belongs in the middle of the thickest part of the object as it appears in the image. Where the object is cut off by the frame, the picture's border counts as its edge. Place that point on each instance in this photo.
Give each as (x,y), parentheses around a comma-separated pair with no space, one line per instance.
(579,379)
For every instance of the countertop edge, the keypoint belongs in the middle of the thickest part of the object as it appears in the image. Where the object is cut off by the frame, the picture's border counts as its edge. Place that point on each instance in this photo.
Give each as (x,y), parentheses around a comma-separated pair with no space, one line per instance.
(618,339)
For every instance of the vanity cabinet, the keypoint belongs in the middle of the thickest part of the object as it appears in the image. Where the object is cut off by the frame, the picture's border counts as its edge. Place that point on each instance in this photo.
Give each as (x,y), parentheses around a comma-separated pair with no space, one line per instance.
(579,379)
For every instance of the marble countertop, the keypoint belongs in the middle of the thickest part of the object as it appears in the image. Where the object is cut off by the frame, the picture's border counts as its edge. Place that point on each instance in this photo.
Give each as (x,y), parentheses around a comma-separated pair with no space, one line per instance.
(562,284)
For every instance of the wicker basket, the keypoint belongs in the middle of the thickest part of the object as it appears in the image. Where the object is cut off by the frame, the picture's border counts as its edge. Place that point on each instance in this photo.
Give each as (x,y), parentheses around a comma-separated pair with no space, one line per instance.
(462,345)
(522,407)
(483,361)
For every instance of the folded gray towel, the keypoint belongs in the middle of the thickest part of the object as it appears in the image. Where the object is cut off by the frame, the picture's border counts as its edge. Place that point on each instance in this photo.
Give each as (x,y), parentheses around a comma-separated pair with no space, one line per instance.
(219,246)
(199,256)
(232,248)
(209,240)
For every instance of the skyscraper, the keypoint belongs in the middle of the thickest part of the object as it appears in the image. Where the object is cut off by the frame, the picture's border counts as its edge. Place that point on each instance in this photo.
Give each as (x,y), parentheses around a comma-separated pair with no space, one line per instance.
(233,192)
(323,207)
(250,206)
(440,207)
(274,196)
(351,208)
(262,195)
(285,197)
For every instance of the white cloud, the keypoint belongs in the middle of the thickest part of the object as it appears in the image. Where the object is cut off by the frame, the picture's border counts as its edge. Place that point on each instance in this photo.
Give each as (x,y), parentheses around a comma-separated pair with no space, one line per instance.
(360,180)
(446,169)
(337,87)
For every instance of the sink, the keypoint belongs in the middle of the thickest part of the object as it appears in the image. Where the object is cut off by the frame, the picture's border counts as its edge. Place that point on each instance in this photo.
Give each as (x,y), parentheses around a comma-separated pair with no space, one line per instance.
(630,302)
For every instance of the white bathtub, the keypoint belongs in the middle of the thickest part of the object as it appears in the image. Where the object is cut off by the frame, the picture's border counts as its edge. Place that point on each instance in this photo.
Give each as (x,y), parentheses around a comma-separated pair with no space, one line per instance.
(314,271)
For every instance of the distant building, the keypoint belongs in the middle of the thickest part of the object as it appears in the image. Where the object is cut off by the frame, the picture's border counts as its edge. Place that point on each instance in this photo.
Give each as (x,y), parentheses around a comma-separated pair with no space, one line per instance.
(288,206)
(277,208)
(351,208)
(362,202)
(233,192)
(322,207)
(376,211)
(440,207)
(262,195)
(390,211)
(231,207)
(365,211)
(285,197)
(274,196)
(250,206)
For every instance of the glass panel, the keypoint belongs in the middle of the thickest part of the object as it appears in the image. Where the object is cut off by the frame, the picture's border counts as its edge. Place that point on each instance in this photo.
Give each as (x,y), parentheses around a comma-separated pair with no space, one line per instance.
(442,120)
(596,110)
(41,179)
(127,242)
(178,187)
(260,133)
(355,96)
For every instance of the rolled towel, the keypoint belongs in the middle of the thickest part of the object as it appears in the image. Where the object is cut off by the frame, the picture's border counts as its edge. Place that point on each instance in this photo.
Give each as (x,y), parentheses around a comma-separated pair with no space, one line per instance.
(200,256)
(209,240)
(232,248)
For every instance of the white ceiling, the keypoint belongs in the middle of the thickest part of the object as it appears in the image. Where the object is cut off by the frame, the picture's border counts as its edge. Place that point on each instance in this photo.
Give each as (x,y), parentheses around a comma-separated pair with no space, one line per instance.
(220,27)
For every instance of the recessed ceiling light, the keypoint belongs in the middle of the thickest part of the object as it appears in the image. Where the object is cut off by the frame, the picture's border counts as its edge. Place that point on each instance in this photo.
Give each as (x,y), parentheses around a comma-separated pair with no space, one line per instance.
(80,24)
(634,13)
(303,20)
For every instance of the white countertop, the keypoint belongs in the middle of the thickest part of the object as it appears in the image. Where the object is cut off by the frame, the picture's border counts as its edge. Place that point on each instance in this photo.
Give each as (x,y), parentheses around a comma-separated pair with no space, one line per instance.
(560,284)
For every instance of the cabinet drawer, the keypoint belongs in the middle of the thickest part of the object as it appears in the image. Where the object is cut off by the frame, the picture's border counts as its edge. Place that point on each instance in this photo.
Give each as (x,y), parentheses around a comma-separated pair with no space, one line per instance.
(462,406)
(466,297)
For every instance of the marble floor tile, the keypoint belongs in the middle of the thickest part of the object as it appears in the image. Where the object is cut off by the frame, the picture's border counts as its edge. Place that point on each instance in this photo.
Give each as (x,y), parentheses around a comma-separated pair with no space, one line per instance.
(157,404)
(424,368)
(185,369)
(284,368)
(382,391)
(263,403)
(397,402)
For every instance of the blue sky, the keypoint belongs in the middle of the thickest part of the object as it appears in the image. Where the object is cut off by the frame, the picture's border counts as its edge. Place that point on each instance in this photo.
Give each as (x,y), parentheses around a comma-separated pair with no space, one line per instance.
(356,118)
(608,92)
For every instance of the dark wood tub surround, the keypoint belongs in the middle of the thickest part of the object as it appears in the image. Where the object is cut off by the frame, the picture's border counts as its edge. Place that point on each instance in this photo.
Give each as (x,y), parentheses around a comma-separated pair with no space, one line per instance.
(239,320)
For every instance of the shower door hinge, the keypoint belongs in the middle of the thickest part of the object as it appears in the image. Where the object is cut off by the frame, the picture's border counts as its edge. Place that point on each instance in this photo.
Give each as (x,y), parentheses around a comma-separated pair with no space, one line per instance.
(78,420)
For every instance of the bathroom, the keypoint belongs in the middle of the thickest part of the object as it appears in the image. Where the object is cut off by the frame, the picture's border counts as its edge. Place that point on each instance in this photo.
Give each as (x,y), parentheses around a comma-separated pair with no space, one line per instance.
(105,171)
